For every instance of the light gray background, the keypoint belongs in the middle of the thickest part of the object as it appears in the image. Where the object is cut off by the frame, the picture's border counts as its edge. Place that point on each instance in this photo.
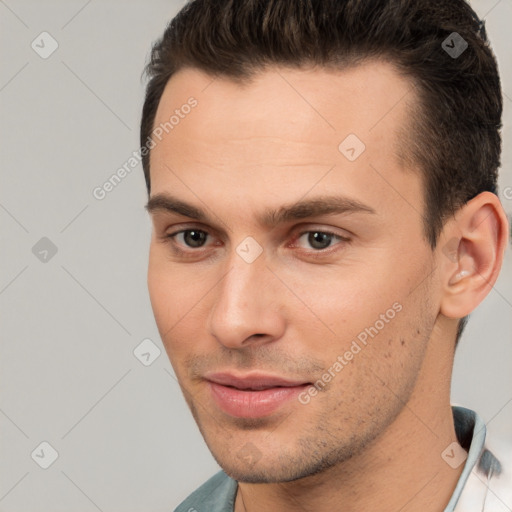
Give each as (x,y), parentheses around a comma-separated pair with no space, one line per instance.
(125,438)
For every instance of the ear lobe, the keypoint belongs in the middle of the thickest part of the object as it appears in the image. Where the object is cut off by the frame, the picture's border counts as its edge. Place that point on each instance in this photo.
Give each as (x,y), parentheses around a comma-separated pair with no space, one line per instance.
(472,257)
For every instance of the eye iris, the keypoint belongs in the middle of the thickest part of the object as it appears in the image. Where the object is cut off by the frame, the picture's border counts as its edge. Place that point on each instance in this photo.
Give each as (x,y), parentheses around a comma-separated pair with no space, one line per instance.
(316,238)
(194,238)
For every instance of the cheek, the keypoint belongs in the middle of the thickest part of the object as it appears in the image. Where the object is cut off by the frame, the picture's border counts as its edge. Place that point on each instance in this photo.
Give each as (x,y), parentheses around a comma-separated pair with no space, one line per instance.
(174,299)
(160,287)
(368,317)
(343,304)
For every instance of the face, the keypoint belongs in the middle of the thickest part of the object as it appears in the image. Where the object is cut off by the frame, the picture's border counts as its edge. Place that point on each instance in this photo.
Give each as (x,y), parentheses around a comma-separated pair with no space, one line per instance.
(289,274)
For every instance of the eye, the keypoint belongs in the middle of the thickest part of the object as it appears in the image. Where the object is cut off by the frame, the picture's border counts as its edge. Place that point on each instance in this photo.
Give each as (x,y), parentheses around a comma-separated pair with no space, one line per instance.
(193,238)
(187,242)
(320,240)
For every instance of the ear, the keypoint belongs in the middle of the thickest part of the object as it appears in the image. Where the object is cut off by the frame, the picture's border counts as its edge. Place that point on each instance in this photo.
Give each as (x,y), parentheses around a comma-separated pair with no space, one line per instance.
(470,254)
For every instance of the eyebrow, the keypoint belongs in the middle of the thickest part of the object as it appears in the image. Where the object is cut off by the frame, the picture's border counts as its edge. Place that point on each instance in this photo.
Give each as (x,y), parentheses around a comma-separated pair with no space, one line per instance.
(322,205)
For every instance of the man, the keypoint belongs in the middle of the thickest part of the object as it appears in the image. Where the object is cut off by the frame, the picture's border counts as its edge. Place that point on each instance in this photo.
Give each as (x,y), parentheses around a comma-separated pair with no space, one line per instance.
(322,185)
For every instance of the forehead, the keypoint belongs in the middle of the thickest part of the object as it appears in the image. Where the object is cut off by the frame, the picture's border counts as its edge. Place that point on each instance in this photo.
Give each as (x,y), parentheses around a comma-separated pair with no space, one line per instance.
(368,97)
(286,128)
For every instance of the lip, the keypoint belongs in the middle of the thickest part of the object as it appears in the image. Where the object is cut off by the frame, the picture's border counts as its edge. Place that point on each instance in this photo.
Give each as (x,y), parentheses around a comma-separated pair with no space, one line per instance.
(254,381)
(252,395)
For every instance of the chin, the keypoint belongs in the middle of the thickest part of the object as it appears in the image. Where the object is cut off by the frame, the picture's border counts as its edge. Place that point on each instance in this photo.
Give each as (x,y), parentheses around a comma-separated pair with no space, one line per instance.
(273,471)
(262,475)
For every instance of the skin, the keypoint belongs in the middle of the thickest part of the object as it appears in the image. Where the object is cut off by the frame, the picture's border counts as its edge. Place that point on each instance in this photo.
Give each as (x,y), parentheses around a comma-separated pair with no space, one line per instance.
(373,437)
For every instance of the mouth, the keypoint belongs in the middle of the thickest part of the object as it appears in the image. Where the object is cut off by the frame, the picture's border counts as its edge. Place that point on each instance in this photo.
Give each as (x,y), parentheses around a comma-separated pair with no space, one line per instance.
(252,395)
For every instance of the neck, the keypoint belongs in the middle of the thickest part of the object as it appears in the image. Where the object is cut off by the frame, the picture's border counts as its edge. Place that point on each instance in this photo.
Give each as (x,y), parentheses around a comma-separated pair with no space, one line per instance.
(400,470)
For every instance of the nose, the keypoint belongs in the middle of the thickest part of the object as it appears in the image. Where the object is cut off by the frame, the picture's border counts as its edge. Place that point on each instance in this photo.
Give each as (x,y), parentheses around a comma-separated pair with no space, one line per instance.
(247,309)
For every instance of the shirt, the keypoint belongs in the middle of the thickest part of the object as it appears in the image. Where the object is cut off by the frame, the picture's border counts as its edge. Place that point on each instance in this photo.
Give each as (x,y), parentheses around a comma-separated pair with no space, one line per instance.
(481,486)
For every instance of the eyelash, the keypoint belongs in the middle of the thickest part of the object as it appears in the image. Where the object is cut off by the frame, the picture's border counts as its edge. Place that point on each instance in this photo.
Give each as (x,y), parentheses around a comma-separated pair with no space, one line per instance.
(318,253)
